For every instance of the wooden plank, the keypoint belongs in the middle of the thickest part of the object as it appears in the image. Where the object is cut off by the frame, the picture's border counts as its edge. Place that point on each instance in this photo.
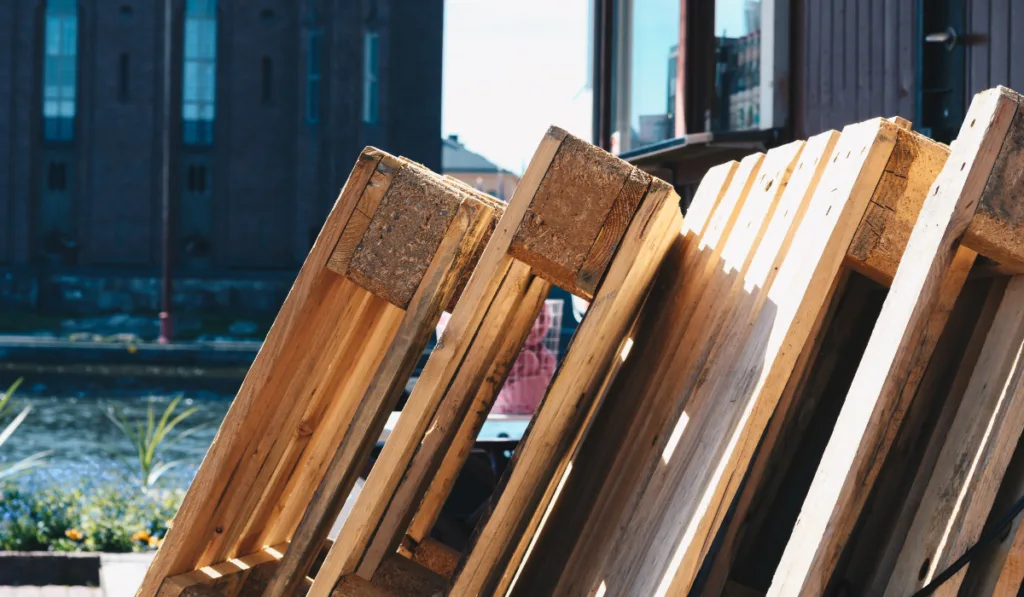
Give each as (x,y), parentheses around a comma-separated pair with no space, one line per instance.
(435,290)
(782,439)
(677,514)
(429,509)
(867,423)
(604,463)
(997,230)
(393,465)
(541,456)
(708,196)
(579,175)
(355,227)
(974,458)
(451,419)
(890,510)
(255,404)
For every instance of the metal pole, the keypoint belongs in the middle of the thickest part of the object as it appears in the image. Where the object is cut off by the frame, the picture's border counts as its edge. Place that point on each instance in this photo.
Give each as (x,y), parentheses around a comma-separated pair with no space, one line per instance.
(166,329)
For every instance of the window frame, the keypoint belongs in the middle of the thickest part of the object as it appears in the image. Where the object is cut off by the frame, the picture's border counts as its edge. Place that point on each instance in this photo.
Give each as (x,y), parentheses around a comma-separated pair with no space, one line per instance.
(612,24)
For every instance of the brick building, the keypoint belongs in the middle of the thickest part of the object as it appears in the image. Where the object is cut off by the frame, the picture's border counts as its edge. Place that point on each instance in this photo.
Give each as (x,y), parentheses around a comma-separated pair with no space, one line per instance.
(271,101)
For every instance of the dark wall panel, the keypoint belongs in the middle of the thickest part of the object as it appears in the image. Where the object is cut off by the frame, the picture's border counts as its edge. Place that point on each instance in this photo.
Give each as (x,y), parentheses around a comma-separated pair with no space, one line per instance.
(857,60)
(995,48)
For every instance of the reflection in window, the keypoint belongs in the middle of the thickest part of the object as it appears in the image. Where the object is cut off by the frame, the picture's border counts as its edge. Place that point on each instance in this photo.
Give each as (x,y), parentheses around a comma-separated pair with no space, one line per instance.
(644,73)
(738,65)
(200,70)
(313,78)
(370,66)
(60,69)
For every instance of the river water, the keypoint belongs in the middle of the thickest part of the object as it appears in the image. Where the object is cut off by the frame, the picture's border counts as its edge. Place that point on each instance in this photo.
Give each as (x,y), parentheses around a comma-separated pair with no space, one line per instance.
(85,443)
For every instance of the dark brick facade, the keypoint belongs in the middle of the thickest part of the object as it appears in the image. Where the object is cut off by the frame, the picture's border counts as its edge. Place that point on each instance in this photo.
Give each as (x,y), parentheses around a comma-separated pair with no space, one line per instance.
(270,175)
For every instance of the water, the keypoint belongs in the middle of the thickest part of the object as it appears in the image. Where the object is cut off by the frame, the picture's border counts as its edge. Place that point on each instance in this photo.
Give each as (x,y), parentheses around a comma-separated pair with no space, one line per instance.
(87,444)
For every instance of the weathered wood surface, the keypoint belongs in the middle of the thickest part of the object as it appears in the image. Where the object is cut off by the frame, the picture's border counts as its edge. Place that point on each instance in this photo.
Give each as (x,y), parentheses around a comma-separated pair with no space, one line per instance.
(973,459)
(334,346)
(902,341)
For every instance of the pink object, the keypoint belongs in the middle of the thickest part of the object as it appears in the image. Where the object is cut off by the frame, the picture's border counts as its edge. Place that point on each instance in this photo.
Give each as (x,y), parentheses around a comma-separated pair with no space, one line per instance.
(530,374)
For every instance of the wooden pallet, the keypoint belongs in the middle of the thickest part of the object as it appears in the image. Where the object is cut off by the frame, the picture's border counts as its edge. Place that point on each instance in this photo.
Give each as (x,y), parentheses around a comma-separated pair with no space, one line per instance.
(395,248)
(607,253)
(974,205)
(716,345)
(867,281)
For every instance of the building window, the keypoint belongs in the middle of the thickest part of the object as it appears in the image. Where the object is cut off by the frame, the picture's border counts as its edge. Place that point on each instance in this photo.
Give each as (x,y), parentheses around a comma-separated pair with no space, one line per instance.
(738,65)
(313,78)
(370,71)
(200,70)
(56,177)
(122,78)
(195,180)
(266,79)
(60,68)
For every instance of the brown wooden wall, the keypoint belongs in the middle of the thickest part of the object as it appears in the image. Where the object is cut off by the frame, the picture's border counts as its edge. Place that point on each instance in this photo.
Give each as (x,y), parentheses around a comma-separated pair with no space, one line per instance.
(995,49)
(855,59)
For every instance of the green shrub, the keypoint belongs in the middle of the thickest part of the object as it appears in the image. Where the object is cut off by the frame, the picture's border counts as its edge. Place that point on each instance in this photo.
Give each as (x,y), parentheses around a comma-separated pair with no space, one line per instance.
(108,518)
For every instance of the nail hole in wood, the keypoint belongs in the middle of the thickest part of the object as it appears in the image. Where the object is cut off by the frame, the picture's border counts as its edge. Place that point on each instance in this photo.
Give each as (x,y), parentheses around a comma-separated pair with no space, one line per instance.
(924,570)
(962,166)
(973,120)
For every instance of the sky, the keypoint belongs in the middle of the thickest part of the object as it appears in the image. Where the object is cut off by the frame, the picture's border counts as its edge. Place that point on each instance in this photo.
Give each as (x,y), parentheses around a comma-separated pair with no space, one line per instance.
(511,69)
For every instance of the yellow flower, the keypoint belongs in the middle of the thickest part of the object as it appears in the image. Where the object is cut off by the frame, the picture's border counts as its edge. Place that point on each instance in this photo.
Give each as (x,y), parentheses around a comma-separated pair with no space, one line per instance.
(142,536)
(154,542)
(73,534)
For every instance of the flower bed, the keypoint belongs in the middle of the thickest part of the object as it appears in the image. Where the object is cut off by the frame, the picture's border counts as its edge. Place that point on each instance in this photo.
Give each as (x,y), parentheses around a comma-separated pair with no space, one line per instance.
(89,518)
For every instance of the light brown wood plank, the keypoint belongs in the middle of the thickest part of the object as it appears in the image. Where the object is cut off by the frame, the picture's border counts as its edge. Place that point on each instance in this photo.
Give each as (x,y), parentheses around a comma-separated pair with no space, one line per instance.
(541,455)
(461,445)
(866,426)
(904,476)
(752,364)
(974,458)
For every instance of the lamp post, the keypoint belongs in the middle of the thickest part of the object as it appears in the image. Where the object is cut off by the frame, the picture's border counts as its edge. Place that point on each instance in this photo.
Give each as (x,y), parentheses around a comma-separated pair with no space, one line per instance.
(166,329)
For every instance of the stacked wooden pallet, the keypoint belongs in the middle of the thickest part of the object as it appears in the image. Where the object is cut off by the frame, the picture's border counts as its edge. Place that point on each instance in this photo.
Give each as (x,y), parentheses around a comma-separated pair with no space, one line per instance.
(835,323)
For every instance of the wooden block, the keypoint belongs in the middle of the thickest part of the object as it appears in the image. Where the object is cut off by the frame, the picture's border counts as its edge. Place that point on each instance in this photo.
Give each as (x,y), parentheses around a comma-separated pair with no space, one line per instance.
(584,191)
(405,232)
(997,229)
(403,576)
(436,556)
(901,342)
(974,458)
(895,204)
(542,456)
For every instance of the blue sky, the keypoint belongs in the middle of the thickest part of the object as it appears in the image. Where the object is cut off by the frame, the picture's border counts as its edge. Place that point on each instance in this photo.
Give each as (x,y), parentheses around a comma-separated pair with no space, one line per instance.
(511,69)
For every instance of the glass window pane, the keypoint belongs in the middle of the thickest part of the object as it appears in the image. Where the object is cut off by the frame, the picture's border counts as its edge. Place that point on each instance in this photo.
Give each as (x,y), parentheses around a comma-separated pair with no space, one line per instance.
(199,71)
(69,36)
(50,108)
(67,108)
(52,36)
(646,53)
(738,68)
